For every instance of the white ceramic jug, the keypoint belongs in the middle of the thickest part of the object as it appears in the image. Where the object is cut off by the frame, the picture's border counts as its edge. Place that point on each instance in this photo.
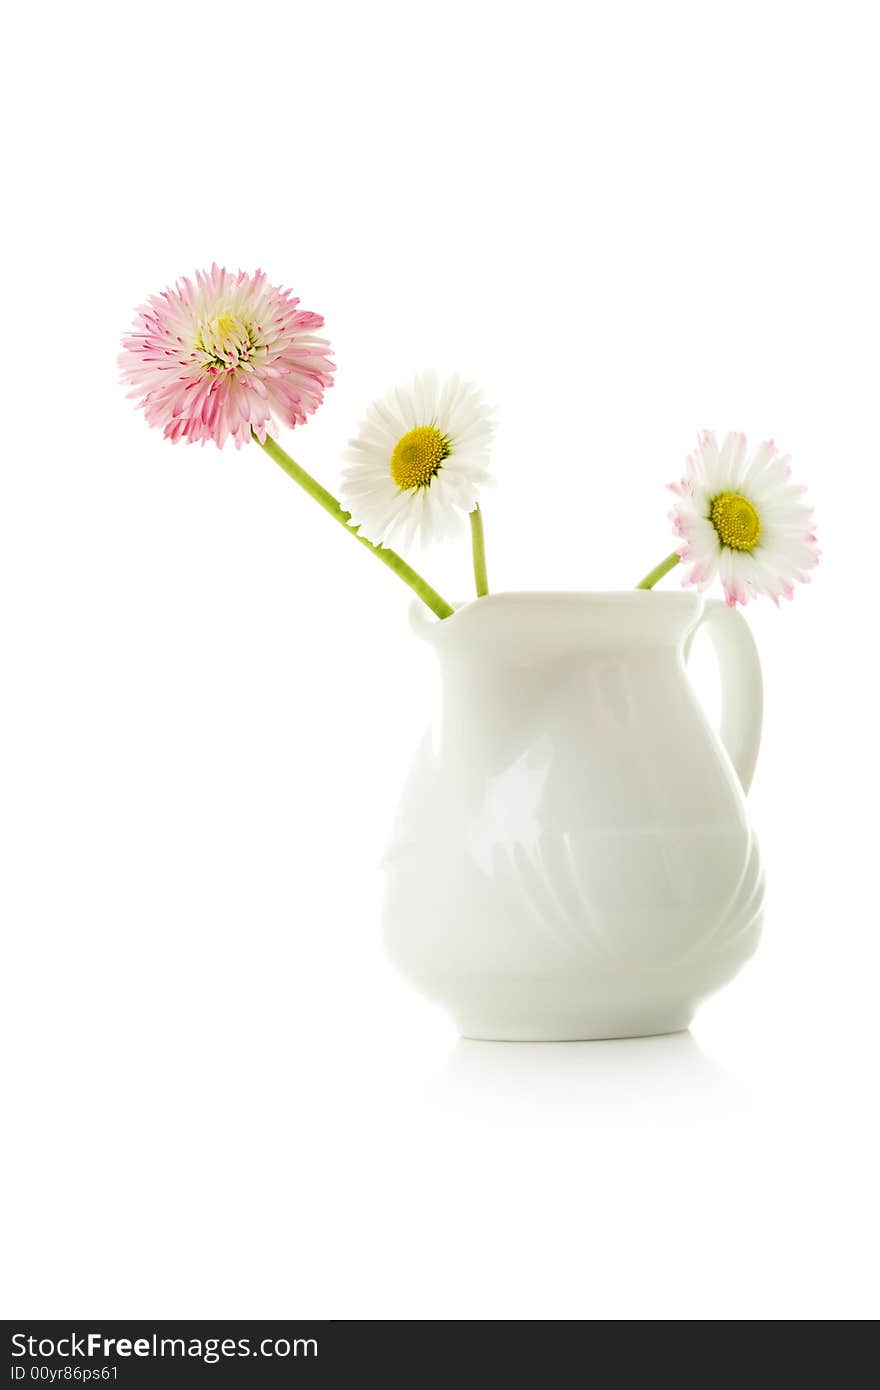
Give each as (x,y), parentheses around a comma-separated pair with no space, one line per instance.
(571,857)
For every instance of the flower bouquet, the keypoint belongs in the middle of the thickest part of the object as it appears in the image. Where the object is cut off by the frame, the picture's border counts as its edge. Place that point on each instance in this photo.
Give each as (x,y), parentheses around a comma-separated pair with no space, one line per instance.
(571,858)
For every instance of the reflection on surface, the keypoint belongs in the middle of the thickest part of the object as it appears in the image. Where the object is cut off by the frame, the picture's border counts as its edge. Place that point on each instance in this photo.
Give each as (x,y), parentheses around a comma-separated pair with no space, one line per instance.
(652,1081)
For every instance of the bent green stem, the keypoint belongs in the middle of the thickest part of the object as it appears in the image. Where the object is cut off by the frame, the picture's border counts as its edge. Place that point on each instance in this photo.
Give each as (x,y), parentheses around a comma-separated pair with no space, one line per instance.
(478,542)
(658,571)
(325,499)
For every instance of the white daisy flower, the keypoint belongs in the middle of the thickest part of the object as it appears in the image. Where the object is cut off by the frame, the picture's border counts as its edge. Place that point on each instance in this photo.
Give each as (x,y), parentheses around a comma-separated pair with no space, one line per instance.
(743,519)
(418,462)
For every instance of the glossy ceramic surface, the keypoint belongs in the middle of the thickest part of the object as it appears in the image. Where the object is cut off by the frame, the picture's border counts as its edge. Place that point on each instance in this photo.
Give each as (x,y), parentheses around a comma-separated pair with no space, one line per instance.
(571,857)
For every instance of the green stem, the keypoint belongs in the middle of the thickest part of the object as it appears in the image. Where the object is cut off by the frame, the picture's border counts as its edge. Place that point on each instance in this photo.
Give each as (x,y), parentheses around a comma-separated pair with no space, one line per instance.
(395,562)
(478,541)
(658,571)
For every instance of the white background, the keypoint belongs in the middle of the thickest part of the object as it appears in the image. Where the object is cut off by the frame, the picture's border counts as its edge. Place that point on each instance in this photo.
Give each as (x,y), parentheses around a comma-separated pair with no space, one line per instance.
(627,221)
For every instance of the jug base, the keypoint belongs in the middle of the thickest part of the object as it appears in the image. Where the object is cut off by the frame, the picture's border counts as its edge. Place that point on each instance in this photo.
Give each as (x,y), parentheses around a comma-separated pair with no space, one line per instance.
(591,1026)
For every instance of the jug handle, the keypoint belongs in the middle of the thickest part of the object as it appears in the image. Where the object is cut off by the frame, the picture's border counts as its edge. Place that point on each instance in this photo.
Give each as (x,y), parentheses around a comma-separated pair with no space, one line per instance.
(742,691)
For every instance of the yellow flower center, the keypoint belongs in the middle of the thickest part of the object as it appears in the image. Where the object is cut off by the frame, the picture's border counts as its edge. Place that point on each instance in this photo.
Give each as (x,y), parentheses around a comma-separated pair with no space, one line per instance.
(736,521)
(225,326)
(225,341)
(418,456)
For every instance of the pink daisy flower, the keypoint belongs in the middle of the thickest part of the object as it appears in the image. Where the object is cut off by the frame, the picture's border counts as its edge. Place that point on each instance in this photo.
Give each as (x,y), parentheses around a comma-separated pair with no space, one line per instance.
(223,355)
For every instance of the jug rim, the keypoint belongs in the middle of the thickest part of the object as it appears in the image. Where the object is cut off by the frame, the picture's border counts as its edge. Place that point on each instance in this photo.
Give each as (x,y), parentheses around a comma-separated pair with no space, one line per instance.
(680,609)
